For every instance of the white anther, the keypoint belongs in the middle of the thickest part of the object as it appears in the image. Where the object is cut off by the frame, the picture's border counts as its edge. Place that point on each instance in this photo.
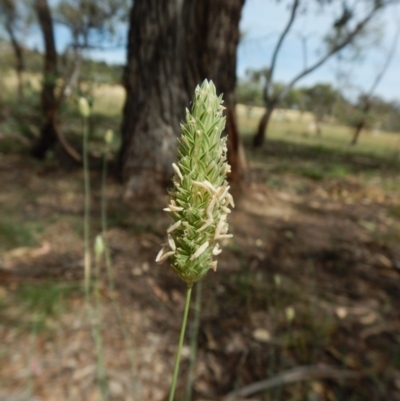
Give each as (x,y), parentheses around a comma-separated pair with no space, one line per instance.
(222,236)
(164,257)
(226,168)
(173,208)
(199,251)
(224,194)
(171,243)
(161,256)
(209,185)
(177,171)
(230,200)
(219,226)
(216,251)
(202,185)
(205,225)
(225,209)
(214,265)
(210,208)
(174,226)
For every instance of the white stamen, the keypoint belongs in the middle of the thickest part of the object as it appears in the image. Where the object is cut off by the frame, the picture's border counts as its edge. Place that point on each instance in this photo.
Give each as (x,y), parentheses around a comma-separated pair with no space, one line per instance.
(205,225)
(224,194)
(171,243)
(210,208)
(164,257)
(222,236)
(219,226)
(209,185)
(216,251)
(159,254)
(174,226)
(225,209)
(227,168)
(199,251)
(230,200)
(173,208)
(202,185)
(177,171)
(214,265)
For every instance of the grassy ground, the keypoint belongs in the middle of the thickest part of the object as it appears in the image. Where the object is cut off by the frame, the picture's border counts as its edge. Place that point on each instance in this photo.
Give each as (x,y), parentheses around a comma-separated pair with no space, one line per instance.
(311,277)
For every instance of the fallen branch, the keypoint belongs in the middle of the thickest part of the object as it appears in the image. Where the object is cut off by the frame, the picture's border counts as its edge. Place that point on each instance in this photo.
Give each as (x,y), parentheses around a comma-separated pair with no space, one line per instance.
(298,374)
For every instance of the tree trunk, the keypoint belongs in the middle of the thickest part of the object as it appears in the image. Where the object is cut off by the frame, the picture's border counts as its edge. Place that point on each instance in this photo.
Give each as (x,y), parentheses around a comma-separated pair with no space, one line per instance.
(357,133)
(154,97)
(258,139)
(361,124)
(172,46)
(48,135)
(212,37)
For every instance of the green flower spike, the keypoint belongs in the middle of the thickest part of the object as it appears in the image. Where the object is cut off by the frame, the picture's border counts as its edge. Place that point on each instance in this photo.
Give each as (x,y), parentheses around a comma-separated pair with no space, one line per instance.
(200,198)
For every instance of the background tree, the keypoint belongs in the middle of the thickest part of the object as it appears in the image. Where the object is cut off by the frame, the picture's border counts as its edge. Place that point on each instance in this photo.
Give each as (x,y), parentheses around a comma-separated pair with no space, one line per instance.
(48,135)
(366,100)
(16,18)
(344,31)
(320,100)
(171,48)
(91,24)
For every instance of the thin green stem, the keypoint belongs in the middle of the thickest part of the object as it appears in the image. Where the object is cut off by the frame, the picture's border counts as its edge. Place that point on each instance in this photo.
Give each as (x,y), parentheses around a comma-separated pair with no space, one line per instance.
(111,285)
(86,176)
(182,336)
(101,371)
(193,342)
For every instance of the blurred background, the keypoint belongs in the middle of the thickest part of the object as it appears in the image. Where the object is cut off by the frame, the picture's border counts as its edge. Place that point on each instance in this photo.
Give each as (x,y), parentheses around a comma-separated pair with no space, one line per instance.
(305,303)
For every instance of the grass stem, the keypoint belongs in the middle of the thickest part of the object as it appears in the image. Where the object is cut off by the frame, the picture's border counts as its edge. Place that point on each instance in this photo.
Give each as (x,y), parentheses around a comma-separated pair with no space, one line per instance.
(86,228)
(193,341)
(181,338)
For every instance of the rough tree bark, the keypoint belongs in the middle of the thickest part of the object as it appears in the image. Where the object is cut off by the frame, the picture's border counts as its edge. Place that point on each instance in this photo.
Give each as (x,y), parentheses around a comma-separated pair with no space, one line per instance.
(211,40)
(173,46)
(48,135)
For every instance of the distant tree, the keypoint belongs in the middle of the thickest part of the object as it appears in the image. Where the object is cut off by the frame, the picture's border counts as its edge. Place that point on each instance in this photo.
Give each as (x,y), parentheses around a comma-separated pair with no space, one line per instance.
(93,25)
(15,17)
(172,46)
(48,135)
(90,22)
(344,32)
(320,100)
(366,100)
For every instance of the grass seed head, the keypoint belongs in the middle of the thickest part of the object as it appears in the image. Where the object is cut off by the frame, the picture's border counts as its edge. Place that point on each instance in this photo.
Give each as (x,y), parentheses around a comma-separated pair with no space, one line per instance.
(84,107)
(200,195)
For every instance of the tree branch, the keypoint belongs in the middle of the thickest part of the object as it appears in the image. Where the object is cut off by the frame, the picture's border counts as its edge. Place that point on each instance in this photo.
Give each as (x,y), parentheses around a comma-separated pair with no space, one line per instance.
(279,44)
(335,49)
(386,64)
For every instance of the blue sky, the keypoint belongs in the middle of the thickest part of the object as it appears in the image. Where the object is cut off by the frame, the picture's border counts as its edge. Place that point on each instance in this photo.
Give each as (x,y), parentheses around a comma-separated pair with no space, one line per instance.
(263,20)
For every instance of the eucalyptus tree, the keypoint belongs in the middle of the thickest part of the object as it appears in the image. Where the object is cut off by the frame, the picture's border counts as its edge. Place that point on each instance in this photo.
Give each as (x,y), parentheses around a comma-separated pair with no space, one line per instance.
(16,18)
(172,46)
(344,30)
(91,24)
